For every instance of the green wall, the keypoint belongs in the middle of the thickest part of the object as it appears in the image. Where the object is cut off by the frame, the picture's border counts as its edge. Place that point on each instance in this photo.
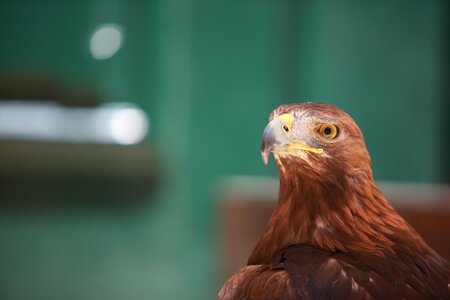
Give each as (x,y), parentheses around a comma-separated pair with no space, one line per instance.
(208,73)
(383,63)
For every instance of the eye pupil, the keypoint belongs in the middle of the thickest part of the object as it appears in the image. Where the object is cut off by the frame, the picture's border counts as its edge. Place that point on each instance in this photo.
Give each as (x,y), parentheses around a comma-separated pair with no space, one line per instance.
(328,131)
(286,128)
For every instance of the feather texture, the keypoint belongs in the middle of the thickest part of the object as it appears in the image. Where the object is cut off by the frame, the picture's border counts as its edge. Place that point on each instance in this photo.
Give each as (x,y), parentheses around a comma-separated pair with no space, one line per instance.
(259,282)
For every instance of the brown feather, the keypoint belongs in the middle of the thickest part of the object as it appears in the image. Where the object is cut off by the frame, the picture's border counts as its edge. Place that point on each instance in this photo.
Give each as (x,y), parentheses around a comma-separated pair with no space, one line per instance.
(334,232)
(258,283)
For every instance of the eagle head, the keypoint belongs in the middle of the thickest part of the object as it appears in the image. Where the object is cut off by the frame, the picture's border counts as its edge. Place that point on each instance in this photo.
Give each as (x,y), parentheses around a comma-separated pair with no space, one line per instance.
(319,141)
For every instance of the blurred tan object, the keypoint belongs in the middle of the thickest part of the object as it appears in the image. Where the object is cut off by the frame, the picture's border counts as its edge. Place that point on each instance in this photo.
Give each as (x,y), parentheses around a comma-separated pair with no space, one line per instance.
(246,203)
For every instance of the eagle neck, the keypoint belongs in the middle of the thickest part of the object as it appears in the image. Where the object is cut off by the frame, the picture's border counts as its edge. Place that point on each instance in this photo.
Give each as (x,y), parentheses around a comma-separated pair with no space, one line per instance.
(343,212)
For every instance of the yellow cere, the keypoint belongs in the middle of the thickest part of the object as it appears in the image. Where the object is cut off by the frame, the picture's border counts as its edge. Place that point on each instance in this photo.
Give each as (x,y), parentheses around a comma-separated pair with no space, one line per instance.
(287,119)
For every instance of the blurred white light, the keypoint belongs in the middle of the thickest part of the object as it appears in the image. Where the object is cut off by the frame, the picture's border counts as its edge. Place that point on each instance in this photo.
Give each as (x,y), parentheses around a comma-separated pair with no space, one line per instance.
(47,121)
(106,41)
(128,126)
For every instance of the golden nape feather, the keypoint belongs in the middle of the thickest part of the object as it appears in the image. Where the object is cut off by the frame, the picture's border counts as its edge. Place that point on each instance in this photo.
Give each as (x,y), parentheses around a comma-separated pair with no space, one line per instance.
(333,235)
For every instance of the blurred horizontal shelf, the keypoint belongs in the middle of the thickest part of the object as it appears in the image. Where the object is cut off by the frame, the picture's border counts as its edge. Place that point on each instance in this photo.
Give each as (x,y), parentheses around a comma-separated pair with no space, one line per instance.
(34,172)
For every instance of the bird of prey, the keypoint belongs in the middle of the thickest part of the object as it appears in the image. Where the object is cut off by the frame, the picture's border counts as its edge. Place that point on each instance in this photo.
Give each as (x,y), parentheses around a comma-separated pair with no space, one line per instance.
(333,234)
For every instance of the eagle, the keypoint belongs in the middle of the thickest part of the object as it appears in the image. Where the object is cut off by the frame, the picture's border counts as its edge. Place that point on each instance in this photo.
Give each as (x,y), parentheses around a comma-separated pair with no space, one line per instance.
(333,235)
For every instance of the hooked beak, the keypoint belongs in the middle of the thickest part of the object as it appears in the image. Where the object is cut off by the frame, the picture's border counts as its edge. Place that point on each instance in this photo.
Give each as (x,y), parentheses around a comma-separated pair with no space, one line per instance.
(277,139)
(273,137)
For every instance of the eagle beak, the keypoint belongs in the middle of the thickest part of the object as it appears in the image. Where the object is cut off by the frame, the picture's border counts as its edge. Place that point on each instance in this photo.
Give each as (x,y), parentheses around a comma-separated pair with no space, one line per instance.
(273,137)
(277,138)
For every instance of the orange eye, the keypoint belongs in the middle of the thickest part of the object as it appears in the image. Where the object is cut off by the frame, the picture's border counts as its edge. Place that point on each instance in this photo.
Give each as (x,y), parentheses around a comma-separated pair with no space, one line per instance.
(328,131)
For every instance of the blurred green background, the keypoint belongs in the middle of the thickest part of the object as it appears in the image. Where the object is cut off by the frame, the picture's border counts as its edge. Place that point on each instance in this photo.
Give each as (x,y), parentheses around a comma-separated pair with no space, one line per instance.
(207,74)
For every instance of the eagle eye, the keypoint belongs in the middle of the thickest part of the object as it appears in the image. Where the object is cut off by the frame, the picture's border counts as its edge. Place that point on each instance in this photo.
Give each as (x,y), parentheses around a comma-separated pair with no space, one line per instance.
(328,131)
